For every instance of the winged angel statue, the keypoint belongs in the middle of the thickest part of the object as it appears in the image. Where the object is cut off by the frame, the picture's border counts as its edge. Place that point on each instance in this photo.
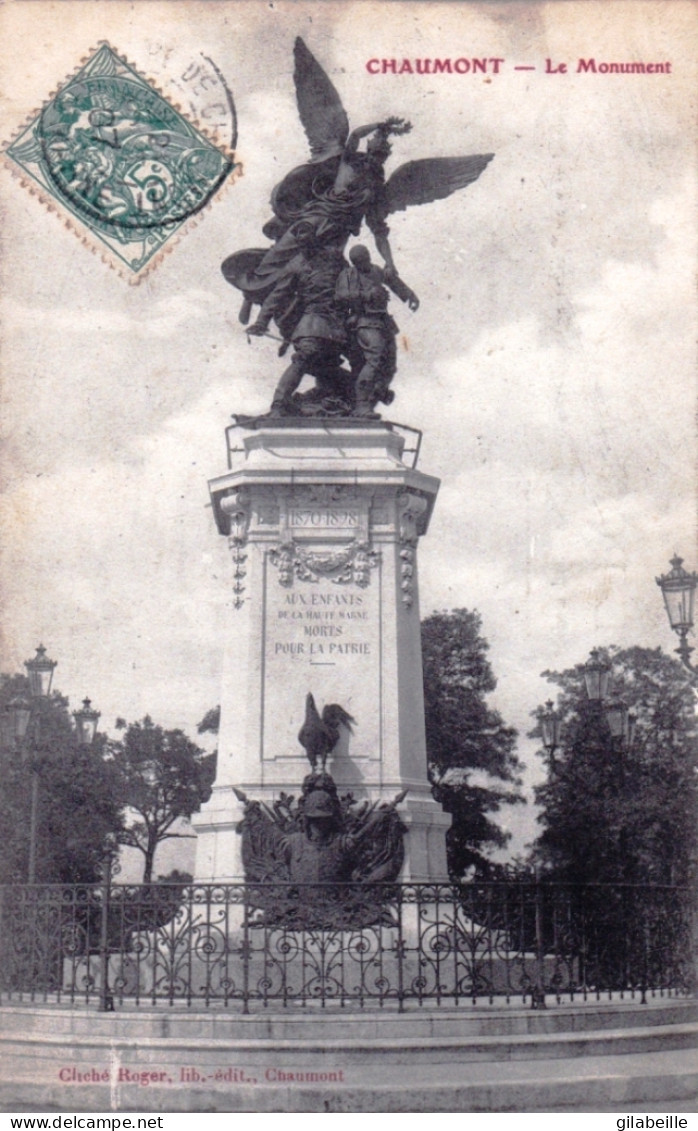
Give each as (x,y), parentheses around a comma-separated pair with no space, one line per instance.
(329,309)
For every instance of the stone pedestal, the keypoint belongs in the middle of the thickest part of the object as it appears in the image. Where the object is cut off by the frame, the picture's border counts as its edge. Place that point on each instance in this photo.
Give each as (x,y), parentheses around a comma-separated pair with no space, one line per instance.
(322,521)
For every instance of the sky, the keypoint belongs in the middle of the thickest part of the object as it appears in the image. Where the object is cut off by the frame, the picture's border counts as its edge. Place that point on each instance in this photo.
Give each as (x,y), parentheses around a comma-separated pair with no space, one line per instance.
(550,366)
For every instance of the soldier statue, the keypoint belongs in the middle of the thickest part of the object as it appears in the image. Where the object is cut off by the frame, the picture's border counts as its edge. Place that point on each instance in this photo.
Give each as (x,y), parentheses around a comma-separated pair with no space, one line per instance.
(362,294)
(316,208)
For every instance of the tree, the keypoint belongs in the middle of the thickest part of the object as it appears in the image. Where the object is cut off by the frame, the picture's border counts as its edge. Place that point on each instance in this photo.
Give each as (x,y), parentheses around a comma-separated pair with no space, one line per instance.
(164,776)
(622,812)
(211,722)
(79,802)
(465,736)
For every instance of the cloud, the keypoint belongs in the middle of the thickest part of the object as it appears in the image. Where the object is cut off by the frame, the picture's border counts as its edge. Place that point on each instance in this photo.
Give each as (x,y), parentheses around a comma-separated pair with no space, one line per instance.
(165,318)
(118,564)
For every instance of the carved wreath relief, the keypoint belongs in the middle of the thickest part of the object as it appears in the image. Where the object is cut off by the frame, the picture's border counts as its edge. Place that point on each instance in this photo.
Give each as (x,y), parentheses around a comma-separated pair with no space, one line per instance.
(309,517)
(348,566)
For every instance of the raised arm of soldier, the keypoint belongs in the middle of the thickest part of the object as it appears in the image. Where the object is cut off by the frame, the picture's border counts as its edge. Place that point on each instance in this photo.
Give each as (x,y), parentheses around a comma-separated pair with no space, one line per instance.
(400,288)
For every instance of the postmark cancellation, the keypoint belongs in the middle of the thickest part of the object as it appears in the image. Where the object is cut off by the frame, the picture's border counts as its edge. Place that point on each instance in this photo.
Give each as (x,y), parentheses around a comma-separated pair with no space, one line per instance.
(126,168)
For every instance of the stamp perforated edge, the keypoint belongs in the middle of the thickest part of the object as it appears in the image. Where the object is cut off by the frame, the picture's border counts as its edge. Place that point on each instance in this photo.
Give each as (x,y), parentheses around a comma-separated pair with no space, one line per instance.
(81,229)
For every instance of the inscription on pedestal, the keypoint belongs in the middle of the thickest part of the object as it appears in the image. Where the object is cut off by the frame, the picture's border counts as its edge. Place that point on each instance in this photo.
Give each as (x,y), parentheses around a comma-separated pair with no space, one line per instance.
(323,518)
(321,637)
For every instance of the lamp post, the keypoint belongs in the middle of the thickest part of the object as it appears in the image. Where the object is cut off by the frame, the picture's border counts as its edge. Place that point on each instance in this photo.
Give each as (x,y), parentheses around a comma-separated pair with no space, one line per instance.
(25,721)
(678,590)
(23,714)
(621,722)
(110,866)
(40,672)
(613,726)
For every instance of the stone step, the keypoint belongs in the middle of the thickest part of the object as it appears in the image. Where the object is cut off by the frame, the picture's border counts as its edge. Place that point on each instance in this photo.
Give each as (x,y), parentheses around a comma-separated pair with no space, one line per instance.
(311,1024)
(617,1082)
(96,1038)
(355,1050)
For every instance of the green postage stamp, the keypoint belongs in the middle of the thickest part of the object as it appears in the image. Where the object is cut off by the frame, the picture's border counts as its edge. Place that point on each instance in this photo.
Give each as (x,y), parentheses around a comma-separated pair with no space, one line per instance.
(120,159)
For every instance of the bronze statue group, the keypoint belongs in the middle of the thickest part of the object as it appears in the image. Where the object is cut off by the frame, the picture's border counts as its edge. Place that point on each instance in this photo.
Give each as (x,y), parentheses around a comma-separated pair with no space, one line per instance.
(328,308)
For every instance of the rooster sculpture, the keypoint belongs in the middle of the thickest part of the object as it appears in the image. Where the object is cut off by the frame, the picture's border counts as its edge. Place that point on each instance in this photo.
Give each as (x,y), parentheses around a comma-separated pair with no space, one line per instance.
(320,733)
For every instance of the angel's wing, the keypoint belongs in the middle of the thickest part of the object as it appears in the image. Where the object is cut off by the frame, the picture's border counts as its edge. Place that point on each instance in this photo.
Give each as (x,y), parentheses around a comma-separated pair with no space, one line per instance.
(320,107)
(421,182)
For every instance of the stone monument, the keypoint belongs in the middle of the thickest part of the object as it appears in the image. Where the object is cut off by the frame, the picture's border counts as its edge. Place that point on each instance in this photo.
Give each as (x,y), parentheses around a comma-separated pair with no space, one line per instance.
(323,506)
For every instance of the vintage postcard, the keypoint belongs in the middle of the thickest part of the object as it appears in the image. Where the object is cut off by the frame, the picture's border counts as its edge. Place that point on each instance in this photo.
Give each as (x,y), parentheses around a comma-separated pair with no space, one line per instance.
(516,182)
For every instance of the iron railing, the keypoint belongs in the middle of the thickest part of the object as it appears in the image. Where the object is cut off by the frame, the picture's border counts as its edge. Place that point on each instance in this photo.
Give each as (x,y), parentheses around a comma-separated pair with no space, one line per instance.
(249,946)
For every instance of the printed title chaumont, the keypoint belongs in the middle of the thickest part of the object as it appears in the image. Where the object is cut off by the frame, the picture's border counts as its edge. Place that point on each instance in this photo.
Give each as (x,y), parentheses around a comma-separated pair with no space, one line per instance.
(493,65)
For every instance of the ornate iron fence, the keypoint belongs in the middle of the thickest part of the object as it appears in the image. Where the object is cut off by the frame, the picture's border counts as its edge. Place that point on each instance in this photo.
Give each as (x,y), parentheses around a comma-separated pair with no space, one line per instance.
(268,945)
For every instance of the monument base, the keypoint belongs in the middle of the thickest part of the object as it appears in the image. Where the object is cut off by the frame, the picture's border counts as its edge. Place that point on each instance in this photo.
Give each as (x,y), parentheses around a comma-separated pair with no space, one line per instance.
(323,519)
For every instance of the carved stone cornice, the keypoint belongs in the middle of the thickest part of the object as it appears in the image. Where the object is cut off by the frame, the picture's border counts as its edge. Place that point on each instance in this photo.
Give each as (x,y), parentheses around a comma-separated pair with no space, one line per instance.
(412,508)
(325,495)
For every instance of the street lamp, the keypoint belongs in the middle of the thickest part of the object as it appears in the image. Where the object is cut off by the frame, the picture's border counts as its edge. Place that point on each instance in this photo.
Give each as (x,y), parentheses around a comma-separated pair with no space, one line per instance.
(24,717)
(678,590)
(621,726)
(19,710)
(550,728)
(40,672)
(22,712)
(596,676)
(621,721)
(86,720)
